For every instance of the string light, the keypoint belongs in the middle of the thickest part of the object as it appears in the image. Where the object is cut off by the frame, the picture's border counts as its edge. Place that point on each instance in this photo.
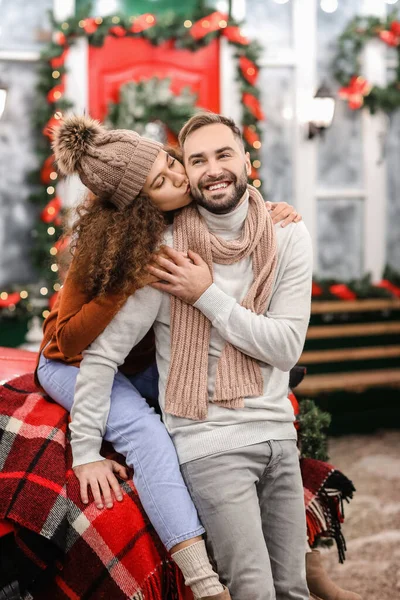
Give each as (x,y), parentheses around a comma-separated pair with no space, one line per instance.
(54,268)
(44,291)
(150,19)
(329,6)
(256,145)
(51,231)
(57,287)
(57,95)
(205,23)
(53,251)
(45,314)
(50,190)
(11,308)
(51,210)
(223,24)
(82,23)
(55,74)
(115,20)
(4,295)
(257,183)
(256,164)
(98,20)
(53,175)
(65,26)
(58,115)
(24,294)
(187,23)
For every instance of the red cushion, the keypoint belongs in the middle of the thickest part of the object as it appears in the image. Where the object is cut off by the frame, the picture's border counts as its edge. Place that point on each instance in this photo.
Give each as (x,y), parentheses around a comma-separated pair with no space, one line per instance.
(14,362)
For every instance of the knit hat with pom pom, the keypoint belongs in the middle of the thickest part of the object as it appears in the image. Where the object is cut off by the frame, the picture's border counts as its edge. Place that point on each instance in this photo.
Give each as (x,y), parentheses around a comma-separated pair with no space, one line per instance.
(113,164)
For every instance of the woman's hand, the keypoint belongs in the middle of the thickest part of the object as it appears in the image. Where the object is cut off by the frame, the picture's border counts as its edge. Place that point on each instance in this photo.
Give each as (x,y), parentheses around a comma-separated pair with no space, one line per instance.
(99,476)
(283,212)
(183,278)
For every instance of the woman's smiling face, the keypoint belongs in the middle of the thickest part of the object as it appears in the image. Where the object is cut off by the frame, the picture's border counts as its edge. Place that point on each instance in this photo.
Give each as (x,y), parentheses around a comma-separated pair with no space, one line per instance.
(167,184)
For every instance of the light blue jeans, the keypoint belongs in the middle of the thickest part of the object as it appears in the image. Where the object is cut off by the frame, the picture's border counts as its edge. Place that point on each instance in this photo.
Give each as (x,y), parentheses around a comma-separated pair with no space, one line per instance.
(137,432)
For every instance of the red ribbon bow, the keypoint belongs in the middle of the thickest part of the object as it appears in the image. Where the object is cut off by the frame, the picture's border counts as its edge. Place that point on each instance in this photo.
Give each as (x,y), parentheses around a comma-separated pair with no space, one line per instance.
(234,35)
(214,22)
(51,210)
(143,22)
(254,106)
(58,61)
(12,298)
(248,69)
(340,290)
(355,92)
(90,25)
(391,37)
(250,135)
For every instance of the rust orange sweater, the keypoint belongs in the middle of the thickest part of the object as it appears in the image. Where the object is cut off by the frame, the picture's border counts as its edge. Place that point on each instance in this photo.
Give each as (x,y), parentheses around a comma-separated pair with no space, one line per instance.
(75,322)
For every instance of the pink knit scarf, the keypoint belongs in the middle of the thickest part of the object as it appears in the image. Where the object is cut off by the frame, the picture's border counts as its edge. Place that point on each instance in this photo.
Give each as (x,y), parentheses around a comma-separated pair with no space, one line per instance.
(238,375)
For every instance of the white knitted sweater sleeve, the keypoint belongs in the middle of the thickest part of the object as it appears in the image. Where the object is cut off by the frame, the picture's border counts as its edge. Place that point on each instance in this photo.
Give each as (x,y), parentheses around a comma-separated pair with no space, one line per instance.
(97,370)
(276,338)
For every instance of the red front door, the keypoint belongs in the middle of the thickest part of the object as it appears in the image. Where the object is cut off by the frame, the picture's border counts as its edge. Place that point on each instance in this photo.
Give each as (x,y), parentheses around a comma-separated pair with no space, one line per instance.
(129,59)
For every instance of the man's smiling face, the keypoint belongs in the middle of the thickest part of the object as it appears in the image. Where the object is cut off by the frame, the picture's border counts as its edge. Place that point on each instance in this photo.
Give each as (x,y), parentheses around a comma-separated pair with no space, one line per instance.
(217,167)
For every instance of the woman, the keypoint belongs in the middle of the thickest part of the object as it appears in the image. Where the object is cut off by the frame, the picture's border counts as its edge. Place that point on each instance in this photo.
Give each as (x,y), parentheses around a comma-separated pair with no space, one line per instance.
(134,182)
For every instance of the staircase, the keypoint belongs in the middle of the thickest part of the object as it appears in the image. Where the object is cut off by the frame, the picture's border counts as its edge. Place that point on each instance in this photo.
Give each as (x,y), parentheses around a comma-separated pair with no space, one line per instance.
(352,346)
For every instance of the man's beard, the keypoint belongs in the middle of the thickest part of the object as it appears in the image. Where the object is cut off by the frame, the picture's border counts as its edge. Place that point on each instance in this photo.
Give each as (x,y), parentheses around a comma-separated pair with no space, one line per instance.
(221,204)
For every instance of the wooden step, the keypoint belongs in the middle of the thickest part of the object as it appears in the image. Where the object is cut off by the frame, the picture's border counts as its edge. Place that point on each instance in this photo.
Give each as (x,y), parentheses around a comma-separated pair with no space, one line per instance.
(340,306)
(359,381)
(316,332)
(310,357)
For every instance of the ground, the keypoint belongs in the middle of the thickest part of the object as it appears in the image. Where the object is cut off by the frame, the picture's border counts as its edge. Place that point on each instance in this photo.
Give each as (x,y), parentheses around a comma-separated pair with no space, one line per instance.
(372,525)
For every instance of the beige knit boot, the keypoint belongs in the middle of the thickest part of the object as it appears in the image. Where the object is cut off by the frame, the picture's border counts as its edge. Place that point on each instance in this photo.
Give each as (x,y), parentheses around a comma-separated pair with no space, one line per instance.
(319,583)
(225,595)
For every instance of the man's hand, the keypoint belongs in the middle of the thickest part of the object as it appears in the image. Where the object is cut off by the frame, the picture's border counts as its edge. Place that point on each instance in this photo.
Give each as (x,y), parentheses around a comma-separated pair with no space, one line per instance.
(283,212)
(186,278)
(99,476)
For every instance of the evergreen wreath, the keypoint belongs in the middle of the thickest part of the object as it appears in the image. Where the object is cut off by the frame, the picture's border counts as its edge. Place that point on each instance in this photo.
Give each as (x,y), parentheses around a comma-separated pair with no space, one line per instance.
(149,107)
(347,63)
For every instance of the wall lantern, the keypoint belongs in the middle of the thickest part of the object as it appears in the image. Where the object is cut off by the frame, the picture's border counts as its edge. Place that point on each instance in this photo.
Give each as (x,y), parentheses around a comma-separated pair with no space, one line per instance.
(322,110)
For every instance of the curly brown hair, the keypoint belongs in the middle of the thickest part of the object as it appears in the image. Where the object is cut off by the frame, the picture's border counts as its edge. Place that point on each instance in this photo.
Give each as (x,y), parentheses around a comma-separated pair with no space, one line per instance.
(111,247)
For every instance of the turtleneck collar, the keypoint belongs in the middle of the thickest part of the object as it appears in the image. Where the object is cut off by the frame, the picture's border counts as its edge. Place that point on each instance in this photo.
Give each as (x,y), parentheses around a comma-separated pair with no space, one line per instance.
(230,224)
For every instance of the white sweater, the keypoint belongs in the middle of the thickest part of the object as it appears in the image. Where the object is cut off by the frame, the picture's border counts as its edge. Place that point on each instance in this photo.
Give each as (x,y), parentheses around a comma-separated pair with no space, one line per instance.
(275,339)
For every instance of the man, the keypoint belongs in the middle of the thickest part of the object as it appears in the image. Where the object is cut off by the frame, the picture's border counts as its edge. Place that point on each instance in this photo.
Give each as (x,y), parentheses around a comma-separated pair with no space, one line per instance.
(225,344)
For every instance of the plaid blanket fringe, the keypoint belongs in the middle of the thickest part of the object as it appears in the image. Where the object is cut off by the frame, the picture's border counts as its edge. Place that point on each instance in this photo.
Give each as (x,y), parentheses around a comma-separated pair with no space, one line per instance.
(325,490)
(86,553)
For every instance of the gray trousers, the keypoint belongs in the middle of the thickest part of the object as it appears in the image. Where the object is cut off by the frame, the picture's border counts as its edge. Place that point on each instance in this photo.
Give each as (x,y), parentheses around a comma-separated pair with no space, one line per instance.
(251,503)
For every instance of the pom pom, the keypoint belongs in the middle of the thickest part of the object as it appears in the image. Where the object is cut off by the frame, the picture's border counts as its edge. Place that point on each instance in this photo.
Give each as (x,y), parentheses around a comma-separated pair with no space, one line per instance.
(73,139)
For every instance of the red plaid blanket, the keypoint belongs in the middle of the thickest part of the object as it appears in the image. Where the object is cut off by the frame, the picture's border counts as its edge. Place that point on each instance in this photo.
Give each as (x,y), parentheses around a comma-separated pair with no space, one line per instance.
(325,489)
(90,554)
